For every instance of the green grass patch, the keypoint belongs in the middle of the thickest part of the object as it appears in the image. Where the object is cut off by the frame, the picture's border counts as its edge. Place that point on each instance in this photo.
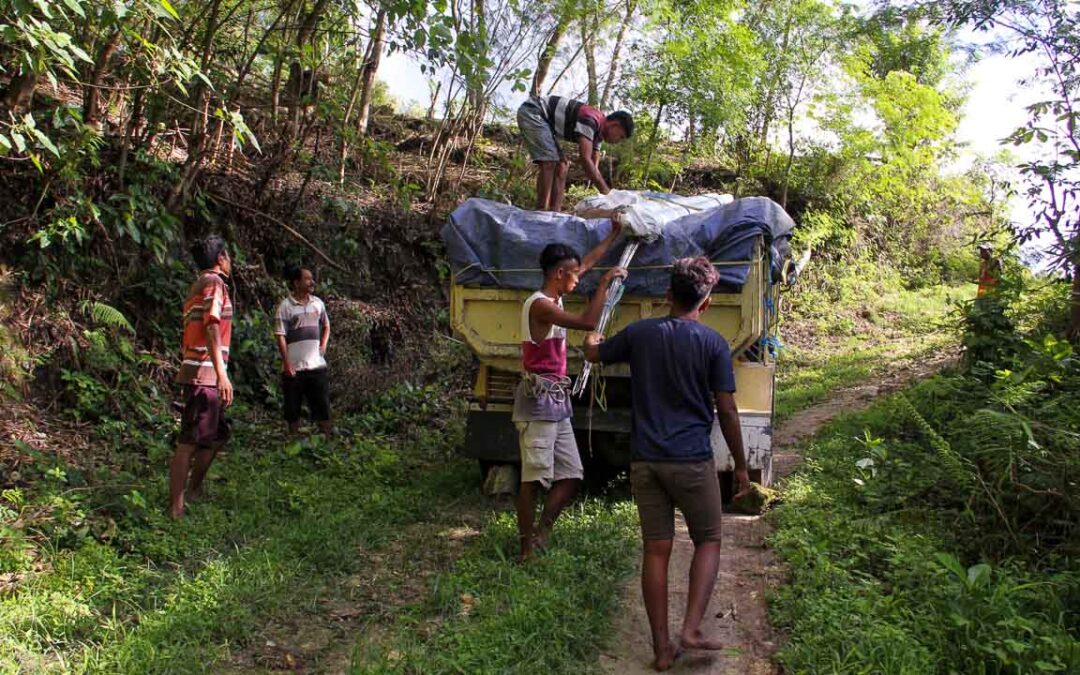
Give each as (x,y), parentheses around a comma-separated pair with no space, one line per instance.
(490,615)
(104,582)
(910,553)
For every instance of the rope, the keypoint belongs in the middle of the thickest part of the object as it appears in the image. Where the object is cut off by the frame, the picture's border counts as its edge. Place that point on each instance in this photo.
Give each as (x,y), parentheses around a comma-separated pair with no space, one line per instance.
(546,385)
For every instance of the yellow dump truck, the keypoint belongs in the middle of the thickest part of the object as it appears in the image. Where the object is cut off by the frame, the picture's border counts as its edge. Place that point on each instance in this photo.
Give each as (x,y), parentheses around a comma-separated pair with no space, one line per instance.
(489,319)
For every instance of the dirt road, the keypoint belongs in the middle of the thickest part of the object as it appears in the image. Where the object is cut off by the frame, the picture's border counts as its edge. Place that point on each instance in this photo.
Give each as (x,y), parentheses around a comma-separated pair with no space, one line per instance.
(737,612)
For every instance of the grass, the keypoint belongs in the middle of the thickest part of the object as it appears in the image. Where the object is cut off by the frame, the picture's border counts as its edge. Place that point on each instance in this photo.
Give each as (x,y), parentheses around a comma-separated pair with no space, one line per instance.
(285,520)
(887,574)
(489,615)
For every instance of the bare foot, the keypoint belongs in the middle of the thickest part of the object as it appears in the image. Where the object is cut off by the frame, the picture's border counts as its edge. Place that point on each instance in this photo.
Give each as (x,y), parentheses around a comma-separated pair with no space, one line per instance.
(696,640)
(176,514)
(526,551)
(540,539)
(665,658)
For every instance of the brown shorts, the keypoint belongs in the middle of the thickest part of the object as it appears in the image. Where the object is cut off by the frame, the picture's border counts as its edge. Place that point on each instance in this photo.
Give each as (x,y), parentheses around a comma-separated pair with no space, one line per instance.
(693,487)
(203,422)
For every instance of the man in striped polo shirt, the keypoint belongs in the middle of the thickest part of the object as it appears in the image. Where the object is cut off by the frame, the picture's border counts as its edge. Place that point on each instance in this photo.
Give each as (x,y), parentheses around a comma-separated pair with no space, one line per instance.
(205,383)
(303,330)
(544,121)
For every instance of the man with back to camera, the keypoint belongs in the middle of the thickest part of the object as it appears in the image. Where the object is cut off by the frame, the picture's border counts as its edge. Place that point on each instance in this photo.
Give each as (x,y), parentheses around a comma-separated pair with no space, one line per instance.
(545,120)
(542,410)
(681,376)
(303,331)
(204,381)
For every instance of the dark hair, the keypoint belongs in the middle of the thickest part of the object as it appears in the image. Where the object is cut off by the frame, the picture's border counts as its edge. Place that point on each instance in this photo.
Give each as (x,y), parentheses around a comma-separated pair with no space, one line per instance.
(206,251)
(692,280)
(553,254)
(625,119)
(293,272)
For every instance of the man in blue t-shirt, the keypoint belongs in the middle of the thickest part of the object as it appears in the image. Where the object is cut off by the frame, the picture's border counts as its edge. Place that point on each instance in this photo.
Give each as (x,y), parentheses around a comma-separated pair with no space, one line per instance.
(681,377)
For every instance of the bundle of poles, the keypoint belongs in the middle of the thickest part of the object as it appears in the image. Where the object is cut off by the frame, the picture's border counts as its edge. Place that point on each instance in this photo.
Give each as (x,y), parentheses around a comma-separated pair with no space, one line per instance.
(613,296)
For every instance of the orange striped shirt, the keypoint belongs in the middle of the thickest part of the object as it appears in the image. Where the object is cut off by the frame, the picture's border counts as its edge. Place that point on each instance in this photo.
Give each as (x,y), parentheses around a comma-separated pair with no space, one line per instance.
(207,303)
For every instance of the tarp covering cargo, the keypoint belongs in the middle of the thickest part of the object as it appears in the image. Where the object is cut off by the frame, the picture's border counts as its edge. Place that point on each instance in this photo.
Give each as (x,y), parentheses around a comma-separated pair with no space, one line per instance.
(497,245)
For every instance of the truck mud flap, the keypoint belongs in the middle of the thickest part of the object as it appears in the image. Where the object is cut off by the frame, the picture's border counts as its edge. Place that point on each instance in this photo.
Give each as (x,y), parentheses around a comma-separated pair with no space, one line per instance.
(490,436)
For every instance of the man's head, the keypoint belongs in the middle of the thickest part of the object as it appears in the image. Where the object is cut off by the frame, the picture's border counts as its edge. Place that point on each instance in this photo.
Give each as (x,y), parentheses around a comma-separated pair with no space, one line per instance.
(692,281)
(618,127)
(211,252)
(560,264)
(301,280)
(985,250)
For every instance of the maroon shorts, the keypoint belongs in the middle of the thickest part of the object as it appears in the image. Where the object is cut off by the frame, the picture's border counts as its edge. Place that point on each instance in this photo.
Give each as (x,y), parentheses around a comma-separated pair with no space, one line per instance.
(203,422)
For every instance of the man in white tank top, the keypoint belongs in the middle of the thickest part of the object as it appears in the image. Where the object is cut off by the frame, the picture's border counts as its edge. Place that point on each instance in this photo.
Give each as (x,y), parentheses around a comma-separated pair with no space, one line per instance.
(542,411)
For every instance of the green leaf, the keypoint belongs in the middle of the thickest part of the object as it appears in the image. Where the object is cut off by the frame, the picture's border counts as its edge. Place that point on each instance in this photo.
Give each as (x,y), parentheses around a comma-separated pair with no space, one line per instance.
(20,142)
(74,6)
(45,142)
(169,8)
(4,142)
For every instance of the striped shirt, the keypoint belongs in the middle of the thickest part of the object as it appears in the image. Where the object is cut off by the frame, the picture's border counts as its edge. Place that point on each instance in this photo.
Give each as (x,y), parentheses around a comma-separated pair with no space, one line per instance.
(302,324)
(207,303)
(572,120)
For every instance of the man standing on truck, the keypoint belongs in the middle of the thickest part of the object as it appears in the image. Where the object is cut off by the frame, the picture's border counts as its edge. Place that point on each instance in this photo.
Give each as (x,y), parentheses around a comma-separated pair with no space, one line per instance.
(549,453)
(681,376)
(545,120)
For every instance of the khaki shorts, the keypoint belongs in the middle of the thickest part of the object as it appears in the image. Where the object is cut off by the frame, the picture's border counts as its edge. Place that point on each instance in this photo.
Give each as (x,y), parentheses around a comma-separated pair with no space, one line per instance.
(549,452)
(693,487)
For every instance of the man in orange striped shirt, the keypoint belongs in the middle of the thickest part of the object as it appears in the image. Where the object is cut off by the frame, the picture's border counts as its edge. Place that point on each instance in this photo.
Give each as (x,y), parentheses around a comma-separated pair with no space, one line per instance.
(203,377)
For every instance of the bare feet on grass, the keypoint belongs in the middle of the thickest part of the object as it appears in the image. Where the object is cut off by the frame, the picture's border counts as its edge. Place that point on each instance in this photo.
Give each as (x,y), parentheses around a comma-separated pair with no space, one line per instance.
(666,657)
(696,640)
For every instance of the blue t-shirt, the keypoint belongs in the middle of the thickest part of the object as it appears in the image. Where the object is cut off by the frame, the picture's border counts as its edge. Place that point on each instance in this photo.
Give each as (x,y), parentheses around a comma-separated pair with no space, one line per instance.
(676,365)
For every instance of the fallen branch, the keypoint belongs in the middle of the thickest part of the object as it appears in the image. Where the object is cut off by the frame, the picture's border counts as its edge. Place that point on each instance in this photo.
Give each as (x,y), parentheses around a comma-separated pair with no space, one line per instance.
(282,225)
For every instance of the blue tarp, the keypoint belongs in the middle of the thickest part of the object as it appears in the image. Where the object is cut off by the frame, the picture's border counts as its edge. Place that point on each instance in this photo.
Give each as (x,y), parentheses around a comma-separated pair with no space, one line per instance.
(491,244)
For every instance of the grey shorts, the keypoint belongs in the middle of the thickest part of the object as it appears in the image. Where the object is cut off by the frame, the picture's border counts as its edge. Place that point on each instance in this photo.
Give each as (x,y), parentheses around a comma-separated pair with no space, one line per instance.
(693,487)
(539,138)
(549,452)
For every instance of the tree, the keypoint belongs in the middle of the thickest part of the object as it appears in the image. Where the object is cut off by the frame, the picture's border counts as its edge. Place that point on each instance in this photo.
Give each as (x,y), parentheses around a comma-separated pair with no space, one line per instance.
(1049,32)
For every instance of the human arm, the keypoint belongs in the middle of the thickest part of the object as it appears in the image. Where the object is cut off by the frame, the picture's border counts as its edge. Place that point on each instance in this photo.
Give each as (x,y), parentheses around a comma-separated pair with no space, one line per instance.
(728,414)
(598,251)
(280,319)
(549,313)
(591,166)
(324,332)
(213,341)
(615,350)
(283,349)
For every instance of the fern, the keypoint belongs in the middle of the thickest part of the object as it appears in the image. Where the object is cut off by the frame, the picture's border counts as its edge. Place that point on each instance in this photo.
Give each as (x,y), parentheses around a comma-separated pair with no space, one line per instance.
(111,317)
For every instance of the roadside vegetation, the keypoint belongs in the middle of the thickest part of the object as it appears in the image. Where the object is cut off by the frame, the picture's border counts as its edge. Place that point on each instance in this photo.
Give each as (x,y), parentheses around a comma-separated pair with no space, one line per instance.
(939,530)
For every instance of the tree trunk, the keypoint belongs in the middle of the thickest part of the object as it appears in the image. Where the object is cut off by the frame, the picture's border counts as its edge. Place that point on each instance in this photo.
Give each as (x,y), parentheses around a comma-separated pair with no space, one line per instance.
(1074,314)
(92,96)
(589,27)
(652,141)
(613,67)
(543,65)
(378,40)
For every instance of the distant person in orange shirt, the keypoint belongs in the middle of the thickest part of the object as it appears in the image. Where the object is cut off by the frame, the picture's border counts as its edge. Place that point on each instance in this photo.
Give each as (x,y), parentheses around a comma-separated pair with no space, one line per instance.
(989,270)
(203,377)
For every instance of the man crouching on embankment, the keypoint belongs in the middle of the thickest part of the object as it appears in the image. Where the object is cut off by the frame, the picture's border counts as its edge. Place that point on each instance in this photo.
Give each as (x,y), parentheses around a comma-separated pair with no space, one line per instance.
(549,453)
(680,374)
